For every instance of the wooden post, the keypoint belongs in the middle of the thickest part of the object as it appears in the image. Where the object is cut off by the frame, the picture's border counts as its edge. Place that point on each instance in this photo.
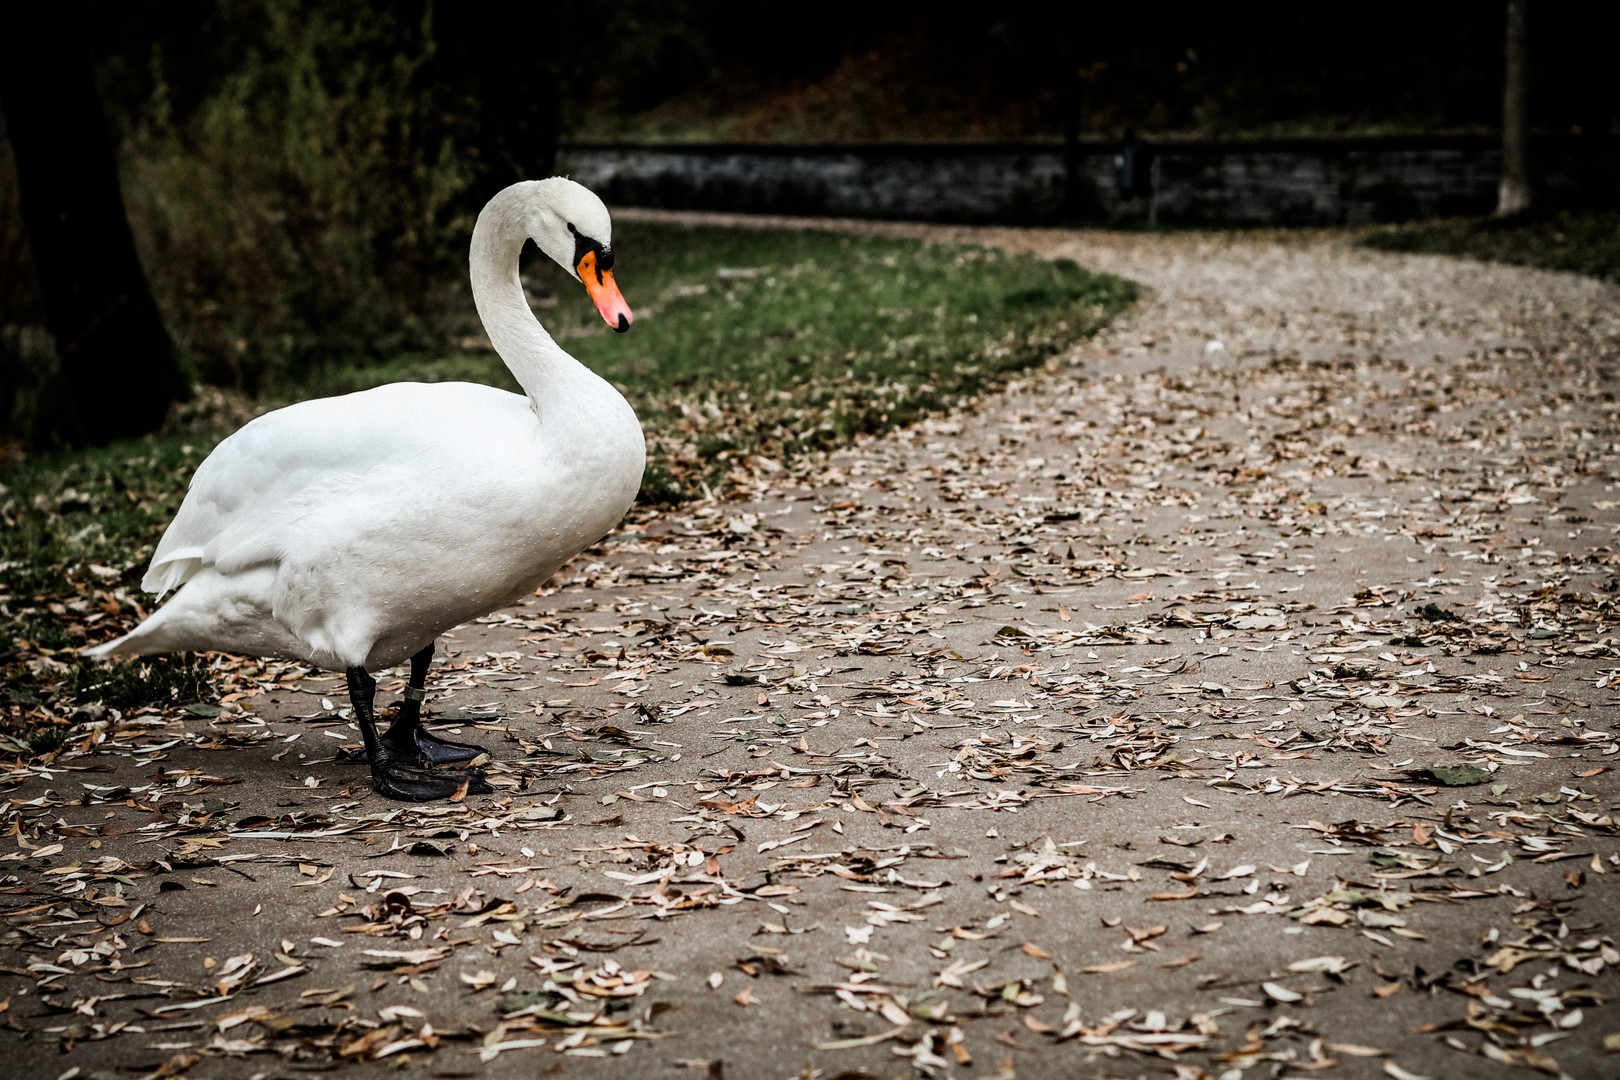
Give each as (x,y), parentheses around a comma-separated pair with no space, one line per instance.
(1513,197)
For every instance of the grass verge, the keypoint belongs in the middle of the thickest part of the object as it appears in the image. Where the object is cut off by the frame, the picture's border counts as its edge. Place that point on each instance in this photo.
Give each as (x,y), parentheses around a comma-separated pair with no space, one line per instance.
(1581,241)
(750,348)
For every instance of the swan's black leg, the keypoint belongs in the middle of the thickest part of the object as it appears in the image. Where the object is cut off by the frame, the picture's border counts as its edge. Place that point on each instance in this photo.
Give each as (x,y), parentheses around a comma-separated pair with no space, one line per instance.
(390,776)
(409,738)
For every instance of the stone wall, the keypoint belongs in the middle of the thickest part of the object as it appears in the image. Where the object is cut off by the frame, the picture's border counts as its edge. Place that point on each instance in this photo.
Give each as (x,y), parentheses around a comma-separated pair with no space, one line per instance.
(1292,182)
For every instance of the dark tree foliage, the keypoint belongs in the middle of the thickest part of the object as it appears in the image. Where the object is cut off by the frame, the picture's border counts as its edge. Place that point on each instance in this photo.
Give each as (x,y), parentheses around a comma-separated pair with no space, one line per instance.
(311,168)
(1181,65)
(118,368)
(497,58)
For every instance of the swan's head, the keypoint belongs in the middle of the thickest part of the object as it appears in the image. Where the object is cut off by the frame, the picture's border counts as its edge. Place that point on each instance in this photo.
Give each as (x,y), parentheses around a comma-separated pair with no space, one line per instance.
(570,224)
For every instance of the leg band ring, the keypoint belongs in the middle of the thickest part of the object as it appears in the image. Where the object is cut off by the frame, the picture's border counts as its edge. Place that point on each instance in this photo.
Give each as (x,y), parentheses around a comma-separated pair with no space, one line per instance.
(413,693)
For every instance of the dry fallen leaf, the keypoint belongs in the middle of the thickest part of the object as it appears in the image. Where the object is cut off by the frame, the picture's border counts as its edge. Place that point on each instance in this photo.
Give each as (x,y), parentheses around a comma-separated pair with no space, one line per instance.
(1104,969)
(1281,994)
(1356,1050)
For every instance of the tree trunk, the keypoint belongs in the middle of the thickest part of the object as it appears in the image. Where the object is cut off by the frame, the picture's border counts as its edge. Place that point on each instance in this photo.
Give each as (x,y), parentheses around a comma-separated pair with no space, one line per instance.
(1514,195)
(1066,29)
(1069,98)
(119,371)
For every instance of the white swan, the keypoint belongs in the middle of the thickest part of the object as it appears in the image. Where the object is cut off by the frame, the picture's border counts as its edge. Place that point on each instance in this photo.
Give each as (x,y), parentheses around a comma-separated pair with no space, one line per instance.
(350,532)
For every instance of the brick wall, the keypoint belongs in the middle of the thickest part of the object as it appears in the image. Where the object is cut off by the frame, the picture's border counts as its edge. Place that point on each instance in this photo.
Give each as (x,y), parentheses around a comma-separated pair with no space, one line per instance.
(1257,183)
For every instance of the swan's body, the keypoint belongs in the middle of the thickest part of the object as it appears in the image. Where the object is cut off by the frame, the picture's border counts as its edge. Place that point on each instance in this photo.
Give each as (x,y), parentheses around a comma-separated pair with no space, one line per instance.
(350,532)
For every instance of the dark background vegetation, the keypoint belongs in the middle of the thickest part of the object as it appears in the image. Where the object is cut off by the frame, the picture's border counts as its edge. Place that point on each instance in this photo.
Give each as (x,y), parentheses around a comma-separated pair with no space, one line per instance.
(302,175)
(954,71)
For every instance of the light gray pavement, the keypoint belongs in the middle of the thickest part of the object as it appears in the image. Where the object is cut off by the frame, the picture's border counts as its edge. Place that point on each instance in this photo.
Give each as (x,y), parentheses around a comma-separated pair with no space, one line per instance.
(1083,734)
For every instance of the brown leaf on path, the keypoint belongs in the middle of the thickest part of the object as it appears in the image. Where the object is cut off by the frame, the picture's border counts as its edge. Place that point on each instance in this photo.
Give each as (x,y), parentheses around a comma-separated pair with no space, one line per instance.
(371,1040)
(1190,958)
(461,792)
(1332,916)
(1188,895)
(1402,1074)
(177,1064)
(1356,1050)
(1105,969)
(1032,949)
(864,1040)
(746,998)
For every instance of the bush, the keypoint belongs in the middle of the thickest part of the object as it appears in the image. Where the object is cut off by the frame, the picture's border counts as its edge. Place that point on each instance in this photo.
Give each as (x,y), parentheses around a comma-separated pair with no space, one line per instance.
(309,208)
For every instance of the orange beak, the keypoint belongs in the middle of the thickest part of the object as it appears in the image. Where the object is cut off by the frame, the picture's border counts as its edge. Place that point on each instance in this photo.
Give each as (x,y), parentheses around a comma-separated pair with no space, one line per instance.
(605,293)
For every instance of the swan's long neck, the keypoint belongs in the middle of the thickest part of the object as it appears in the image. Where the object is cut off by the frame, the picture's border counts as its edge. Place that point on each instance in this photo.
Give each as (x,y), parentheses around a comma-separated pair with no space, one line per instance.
(552,379)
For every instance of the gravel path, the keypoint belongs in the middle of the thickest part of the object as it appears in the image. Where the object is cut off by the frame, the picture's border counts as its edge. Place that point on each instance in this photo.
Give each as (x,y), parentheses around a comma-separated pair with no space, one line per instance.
(1229,699)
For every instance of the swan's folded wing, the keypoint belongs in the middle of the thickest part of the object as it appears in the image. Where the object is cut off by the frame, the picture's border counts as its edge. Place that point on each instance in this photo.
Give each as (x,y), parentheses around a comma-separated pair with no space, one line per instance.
(315,471)
(203,515)
(251,491)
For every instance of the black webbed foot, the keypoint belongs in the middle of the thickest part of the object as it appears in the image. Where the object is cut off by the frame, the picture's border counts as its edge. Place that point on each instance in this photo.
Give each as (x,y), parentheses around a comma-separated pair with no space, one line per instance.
(414,743)
(410,740)
(391,776)
(436,751)
(396,781)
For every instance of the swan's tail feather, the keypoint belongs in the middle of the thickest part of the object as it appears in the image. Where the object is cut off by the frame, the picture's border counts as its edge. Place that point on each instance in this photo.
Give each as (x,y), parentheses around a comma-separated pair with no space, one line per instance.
(106,650)
(210,612)
(128,645)
(156,634)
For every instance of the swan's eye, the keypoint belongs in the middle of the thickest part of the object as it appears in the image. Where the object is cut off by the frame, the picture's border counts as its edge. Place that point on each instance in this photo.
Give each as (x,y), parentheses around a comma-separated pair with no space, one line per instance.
(571,228)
